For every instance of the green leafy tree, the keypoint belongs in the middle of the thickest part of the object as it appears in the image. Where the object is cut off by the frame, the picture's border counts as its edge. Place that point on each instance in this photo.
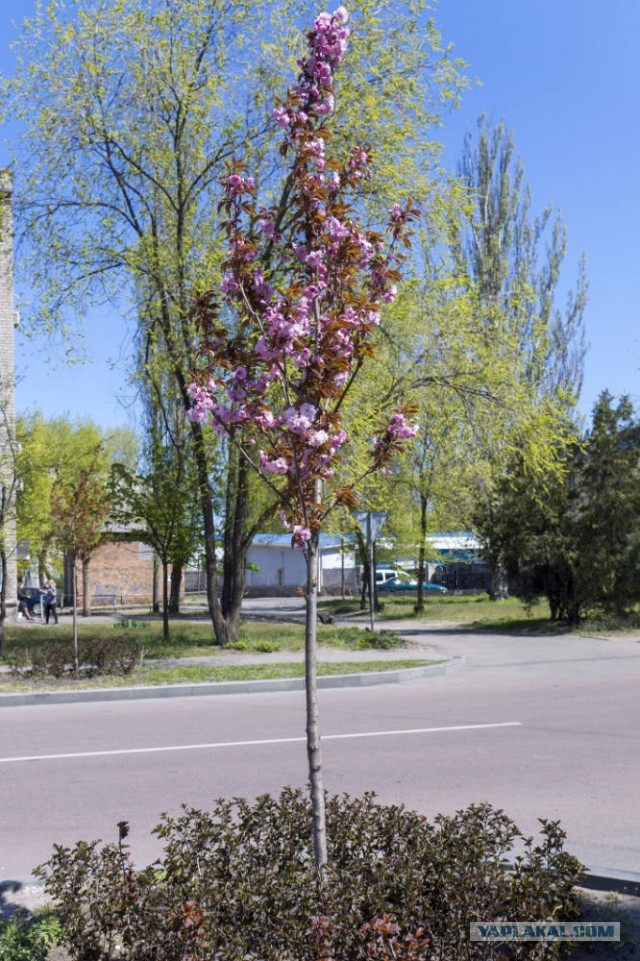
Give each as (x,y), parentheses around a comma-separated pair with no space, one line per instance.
(160,507)
(608,481)
(52,449)
(80,507)
(148,102)
(473,402)
(574,536)
(517,282)
(500,248)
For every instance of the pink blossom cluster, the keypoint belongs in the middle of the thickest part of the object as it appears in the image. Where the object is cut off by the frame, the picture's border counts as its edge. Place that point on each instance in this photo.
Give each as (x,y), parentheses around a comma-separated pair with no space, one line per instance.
(397,430)
(398,427)
(237,185)
(284,365)
(313,97)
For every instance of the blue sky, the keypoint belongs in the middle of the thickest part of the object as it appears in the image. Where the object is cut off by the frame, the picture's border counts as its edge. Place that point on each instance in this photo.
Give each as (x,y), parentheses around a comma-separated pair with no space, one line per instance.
(565,77)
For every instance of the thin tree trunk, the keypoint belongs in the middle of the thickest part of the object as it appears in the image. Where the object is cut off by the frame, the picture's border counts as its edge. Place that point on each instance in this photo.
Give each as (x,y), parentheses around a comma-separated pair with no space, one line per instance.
(377,606)
(86,587)
(69,575)
(74,588)
(314,754)
(362,547)
(176,582)
(42,567)
(236,542)
(165,600)
(155,597)
(3,607)
(499,583)
(419,607)
(211,565)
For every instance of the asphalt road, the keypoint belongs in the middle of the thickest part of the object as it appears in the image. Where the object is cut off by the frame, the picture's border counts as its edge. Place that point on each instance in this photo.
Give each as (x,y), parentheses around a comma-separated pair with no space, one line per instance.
(541,727)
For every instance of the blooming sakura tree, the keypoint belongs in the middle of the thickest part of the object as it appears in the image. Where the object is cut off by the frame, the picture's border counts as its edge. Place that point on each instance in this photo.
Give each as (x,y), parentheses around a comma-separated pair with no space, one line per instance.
(292,325)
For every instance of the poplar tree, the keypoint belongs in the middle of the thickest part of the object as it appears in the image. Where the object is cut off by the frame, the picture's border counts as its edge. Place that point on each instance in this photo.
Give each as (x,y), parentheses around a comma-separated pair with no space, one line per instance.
(500,247)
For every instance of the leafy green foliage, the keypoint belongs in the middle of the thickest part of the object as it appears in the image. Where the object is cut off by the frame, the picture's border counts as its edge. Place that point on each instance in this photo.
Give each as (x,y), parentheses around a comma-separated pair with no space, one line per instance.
(477,342)
(160,508)
(575,537)
(517,282)
(80,505)
(379,640)
(240,882)
(56,450)
(148,103)
(101,655)
(29,939)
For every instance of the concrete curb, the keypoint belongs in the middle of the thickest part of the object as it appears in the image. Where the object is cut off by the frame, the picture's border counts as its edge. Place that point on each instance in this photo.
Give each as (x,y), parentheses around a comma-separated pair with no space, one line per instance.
(368,679)
(606,879)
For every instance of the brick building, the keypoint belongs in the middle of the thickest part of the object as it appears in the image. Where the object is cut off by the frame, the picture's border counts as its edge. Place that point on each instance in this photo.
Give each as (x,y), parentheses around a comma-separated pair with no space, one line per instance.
(121,572)
(7,393)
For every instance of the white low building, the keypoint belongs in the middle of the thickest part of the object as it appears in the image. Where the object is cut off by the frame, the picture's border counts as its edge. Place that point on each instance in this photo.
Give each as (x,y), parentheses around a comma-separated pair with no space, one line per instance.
(274,567)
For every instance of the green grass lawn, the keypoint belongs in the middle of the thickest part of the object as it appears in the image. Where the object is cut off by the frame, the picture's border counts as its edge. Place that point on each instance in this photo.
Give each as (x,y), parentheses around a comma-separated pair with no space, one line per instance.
(474,611)
(151,675)
(195,640)
(189,639)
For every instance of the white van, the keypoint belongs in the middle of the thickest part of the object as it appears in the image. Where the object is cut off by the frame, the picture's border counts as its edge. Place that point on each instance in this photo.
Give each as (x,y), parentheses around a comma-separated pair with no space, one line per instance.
(385,574)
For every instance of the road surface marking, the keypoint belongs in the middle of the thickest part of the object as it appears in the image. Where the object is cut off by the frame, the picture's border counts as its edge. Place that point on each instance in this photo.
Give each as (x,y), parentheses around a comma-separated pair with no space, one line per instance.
(278,740)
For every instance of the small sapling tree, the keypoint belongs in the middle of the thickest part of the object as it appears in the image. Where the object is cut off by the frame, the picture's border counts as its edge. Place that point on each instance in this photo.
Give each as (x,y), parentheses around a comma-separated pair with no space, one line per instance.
(292,326)
(161,508)
(80,506)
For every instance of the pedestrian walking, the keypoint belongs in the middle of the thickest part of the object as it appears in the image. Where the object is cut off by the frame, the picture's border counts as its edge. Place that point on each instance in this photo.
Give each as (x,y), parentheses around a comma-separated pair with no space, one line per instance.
(50,601)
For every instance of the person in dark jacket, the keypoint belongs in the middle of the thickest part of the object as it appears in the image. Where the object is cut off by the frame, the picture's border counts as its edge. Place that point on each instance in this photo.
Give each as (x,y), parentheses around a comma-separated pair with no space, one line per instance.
(23,607)
(50,601)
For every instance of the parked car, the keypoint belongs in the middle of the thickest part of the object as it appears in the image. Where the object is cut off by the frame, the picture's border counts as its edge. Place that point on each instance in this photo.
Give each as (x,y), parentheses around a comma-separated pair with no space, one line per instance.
(33,599)
(402,582)
(385,574)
